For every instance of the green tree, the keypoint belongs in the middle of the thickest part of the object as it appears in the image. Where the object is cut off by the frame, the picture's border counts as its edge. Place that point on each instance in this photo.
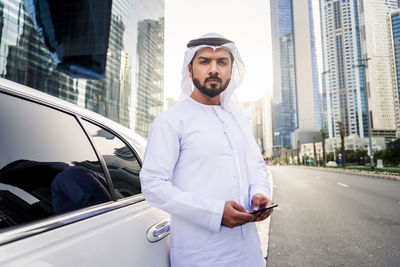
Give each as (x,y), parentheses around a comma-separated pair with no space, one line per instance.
(329,156)
(341,131)
(298,152)
(356,157)
(323,137)
(315,150)
(391,154)
(393,151)
(291,153)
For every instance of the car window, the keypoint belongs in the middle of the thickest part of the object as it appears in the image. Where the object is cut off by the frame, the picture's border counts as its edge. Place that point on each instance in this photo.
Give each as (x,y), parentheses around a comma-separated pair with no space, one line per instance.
(47,164)
(121,161)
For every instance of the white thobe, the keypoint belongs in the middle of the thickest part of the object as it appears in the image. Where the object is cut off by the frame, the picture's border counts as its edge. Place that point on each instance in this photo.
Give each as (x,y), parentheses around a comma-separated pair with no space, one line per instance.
(195,160)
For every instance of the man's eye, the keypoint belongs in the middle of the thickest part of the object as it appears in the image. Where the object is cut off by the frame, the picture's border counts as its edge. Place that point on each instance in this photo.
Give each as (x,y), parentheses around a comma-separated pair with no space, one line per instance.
(203,61)
(223,62)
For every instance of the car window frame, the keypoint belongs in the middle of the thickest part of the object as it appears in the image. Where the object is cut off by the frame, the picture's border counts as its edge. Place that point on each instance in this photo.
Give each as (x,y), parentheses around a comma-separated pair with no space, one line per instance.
(25,230)
(99,154)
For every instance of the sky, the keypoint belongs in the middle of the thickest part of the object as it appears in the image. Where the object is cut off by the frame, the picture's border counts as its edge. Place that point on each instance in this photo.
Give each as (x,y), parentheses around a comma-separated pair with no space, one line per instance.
(247,23)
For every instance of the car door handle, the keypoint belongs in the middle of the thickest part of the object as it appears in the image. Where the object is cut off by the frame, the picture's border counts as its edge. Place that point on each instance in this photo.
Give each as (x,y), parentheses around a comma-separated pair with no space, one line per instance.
(158,231)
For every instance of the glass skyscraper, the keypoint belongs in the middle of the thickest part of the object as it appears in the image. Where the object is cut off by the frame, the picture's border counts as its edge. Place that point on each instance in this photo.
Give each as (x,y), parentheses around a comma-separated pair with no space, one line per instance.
(25,59)
(395,19)
(296,92)
(150,51)
(315,84)
(395,32)
(356,46)
(343,88)
(285,93)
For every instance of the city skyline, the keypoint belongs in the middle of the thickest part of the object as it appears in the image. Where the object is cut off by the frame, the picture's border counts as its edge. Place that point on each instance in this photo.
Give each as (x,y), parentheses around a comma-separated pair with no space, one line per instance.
(307,65)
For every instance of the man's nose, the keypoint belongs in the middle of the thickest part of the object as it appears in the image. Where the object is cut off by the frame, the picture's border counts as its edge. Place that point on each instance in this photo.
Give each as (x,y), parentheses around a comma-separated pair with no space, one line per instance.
(213,67)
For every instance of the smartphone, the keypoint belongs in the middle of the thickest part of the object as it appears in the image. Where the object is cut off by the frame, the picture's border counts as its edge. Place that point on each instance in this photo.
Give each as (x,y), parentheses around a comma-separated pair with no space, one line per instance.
(263,209)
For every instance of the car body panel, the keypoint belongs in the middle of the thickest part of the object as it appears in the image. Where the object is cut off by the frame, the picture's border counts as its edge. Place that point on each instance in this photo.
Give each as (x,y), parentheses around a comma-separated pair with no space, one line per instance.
(109,239)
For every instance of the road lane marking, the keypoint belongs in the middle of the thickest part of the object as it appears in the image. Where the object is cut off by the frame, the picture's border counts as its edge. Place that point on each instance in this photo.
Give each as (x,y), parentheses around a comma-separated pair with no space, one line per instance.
(344,185)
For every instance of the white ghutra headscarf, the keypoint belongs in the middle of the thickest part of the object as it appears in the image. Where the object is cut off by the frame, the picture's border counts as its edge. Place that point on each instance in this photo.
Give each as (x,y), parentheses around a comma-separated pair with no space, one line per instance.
(237,68)
(229,100)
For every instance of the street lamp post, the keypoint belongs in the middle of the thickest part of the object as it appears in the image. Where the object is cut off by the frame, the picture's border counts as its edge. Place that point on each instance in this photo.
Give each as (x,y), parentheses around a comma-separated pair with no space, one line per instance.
(364,66)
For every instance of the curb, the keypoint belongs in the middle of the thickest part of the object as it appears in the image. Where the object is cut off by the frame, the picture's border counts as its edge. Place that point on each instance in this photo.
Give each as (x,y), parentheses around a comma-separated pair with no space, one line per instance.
(263,226)
(361,173)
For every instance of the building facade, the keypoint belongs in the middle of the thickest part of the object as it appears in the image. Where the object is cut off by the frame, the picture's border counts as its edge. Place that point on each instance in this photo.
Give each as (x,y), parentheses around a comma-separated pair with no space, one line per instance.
(268,125)
(356,56)
(150,93)
(394,29)
(343,90)
(352,142)
(377,46)
(296,93)
(254,110)
(284,75)
(25,59)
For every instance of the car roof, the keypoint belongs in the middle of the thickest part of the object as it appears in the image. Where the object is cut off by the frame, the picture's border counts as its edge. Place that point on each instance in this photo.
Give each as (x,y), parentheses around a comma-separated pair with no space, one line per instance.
(26,92)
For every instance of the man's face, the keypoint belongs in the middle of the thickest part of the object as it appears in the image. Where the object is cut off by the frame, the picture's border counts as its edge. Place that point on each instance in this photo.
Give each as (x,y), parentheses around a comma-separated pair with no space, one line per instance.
(211,71)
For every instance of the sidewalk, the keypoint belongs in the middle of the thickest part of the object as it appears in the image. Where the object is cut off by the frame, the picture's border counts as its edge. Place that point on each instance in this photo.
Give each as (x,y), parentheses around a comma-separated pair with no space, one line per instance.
(263,226)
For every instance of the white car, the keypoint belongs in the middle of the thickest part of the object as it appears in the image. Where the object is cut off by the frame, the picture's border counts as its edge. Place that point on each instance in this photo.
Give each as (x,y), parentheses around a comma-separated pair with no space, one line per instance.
(69,187)
(331,164)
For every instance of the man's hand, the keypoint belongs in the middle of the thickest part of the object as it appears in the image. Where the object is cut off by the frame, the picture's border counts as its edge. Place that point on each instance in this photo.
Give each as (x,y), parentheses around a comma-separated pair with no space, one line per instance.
(235,215)
(261,201)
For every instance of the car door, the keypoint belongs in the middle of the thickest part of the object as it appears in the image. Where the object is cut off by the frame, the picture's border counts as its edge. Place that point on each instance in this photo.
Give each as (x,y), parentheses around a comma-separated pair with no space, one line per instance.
(58,203)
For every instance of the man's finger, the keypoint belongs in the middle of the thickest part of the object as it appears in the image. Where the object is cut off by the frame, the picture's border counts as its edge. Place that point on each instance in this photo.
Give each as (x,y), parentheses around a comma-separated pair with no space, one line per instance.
(244,216)
(238,207)
(265,202)
(256,203)
(264,215)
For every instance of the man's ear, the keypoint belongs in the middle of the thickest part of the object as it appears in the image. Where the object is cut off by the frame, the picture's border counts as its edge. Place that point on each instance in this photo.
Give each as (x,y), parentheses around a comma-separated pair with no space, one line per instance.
(190,71)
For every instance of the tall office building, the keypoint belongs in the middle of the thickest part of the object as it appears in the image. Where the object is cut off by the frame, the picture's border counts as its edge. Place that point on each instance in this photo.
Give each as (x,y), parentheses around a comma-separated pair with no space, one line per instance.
(377,45)
(296,93)
(356,45)
(268,133)
(394,29)
(255,110)
(25,59)
(343,90)
(150,93)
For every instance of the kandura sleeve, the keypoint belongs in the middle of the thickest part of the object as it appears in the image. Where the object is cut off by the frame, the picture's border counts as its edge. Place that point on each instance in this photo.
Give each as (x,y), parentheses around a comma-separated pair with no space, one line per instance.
(260,182)
(161,156)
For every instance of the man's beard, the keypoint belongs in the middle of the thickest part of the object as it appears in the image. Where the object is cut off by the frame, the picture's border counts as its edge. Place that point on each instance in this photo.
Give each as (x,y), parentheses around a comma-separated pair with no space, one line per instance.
(213,91)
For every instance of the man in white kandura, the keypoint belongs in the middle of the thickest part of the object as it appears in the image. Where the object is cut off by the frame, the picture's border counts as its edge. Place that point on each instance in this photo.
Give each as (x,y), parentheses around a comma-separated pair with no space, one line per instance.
(203,166)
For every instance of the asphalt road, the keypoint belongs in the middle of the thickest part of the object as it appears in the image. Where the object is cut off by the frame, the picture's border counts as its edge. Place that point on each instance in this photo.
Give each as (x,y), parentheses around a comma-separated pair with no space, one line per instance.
(333,219)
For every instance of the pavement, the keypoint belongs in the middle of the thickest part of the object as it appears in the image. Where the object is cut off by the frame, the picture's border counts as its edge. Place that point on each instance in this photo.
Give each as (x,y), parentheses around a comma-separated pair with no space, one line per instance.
(263,226)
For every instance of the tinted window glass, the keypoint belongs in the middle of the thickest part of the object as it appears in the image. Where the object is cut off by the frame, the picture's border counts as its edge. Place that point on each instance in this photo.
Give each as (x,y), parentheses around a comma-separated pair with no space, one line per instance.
(122,163)
(47,165)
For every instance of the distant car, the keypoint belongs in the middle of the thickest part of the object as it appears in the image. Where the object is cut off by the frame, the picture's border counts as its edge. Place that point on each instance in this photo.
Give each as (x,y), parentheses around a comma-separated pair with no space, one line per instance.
(70,192)
(331,164)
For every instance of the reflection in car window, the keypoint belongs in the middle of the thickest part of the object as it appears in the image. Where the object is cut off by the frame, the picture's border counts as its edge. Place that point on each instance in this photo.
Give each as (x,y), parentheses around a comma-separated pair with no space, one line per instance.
(45,156)
(121,161)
